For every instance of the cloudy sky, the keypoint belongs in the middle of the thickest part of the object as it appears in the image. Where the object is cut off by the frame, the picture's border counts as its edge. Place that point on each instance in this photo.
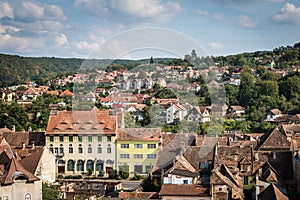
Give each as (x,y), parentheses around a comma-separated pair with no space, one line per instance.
(75,28)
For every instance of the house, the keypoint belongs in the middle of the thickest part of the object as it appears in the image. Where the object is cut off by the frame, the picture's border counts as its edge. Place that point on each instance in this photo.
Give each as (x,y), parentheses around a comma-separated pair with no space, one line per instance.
(190,191)
(239,110)
(225,185)
(175,113)
(172,145)
(6,95)
(66,93)
(269,63)
(16,181)
(30,94)
(82,140)
(33,154)
(137,149)
(218,110)
(198,113)
(273,114)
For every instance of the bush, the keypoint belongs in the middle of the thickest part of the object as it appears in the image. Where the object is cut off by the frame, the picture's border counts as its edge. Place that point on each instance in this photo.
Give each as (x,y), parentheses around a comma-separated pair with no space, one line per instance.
(136,177)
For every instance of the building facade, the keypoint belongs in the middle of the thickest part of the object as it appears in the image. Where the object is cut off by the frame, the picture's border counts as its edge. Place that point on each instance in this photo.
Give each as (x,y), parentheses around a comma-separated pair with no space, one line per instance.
(137,149)
(83,141)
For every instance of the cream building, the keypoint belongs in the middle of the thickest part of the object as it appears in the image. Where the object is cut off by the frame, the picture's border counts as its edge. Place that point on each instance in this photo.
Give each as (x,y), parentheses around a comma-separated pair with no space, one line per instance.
(82,141)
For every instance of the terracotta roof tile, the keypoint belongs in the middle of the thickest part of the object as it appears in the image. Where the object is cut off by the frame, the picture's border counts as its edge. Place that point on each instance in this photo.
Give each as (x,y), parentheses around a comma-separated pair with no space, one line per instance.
(184,190)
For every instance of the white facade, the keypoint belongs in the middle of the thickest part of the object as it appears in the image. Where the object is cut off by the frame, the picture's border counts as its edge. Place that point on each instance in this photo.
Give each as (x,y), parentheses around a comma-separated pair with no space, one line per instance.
(176,179)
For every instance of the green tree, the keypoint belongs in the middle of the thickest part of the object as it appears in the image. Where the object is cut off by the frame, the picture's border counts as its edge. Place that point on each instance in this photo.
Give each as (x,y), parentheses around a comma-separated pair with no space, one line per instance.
(246,89)
(49,192)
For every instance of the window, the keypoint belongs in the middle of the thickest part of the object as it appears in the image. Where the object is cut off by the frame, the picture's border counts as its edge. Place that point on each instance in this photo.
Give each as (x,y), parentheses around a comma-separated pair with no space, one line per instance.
(27,196)
(51,148)
(99,138)
(125,156)
(99,165)
(61,148)
(51,138)
(138,169)
(70,138)
(70,165)
(245,180)
(138,146)
(99,149)
(151,156)
(108,138)
(151,146)
(90,148)
(61,138)
(90,138)
(70,148)
(125,146)
(148,168)
(185,181)
(90,165)
(80,165)
(80,149)
(138,156)
(79,138)
(5,197)
(108,149)
(56,150)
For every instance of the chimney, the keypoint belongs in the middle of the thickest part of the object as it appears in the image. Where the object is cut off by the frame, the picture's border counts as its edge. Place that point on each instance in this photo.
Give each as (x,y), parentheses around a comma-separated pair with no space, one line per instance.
(29,129)
(13,128)
(274,155)
(182,145)
(32,144)
(23,145)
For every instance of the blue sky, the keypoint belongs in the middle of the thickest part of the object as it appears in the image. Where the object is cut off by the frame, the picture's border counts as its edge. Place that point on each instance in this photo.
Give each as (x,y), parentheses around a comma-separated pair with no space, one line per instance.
(75,28)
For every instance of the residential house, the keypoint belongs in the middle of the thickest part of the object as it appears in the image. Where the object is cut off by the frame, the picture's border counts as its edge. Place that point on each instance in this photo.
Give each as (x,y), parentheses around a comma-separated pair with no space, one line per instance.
(6,95)
(137,149)
(66,93)
(82,140)
(269,63)
(35,157)
(16,182)
(175,113)
(30,94)
(218,110)
(273,114)
(198,113)
(225,185)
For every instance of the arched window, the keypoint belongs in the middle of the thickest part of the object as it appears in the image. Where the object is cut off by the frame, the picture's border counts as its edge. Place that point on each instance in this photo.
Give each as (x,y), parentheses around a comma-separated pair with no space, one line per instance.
(27,196)
(90,165)
(80,165)
(99,165)
(80,149)
(61,162)
(61,148)
(90,150)
(108,148)
(51,148)
(70,165)
(99,149)
(70,148)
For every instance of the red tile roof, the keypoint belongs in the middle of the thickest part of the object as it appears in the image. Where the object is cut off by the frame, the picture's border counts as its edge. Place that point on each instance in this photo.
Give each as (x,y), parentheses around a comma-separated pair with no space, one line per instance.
(93,121)
(183,190)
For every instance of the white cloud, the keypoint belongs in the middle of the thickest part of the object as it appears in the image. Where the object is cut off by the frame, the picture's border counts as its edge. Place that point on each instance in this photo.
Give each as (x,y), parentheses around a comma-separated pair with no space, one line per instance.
(61,40)
(289,14)
(6,10)
(202,12)
(219,16)
(215,46)
(247,22)
(120,10)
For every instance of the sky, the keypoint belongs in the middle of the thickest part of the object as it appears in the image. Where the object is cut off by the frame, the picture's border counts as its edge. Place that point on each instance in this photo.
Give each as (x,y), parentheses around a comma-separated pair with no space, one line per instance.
(136,29)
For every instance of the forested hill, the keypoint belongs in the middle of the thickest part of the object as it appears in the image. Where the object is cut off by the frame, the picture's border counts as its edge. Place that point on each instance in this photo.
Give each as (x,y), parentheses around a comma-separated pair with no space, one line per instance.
(17,70)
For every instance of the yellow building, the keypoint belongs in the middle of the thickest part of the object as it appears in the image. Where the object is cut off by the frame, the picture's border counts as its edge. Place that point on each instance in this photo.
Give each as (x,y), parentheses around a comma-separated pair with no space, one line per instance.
(137,149)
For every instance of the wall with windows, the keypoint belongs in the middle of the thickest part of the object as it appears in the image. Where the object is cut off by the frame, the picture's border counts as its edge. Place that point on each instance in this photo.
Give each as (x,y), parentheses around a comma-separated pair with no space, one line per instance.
(139,156)
(76,154)
(21,190)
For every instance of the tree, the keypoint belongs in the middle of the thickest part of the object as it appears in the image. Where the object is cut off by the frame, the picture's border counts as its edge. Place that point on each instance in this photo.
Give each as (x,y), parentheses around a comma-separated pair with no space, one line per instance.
(49,192)
(148,185)
(246,89)
(151,60)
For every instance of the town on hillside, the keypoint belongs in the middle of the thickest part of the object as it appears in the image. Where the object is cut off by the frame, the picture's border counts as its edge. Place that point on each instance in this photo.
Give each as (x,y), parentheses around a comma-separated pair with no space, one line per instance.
(192,128)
